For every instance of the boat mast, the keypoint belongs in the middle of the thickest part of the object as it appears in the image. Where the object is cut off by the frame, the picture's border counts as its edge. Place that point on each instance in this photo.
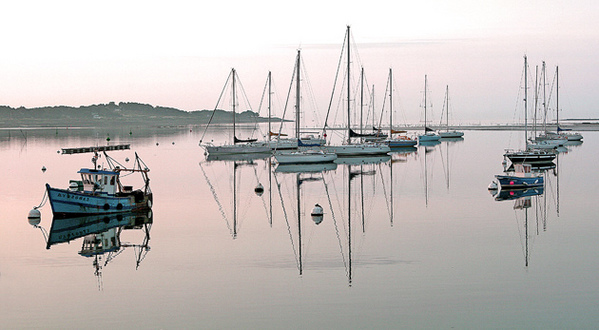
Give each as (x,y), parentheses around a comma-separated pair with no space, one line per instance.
(348,87)
(390,102)
(544,98)
(297,97)
(447,105)
(525,102)
(557,97)
(361,100)
(424,104)
(233,91)
(269,105)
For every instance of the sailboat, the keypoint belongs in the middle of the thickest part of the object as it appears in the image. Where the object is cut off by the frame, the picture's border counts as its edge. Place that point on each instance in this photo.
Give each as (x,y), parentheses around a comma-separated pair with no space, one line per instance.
(449,133)
(528,155)
(280,142)
(542,141)
(397,138)
(348,148)
(238,146)
(304,155)
(561,133)
(429,134)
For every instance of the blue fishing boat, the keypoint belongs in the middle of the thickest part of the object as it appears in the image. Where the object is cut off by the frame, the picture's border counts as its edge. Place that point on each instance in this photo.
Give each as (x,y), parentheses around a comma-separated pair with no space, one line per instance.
(100,191)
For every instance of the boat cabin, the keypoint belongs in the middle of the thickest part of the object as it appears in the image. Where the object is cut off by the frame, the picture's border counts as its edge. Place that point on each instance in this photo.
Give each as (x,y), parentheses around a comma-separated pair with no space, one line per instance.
(102,181)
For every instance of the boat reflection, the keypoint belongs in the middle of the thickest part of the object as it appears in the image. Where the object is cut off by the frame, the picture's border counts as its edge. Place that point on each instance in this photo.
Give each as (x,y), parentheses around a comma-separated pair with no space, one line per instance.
(511,194)
(237,157)
(452,139)
(102,236)
(305,168)
(362,160)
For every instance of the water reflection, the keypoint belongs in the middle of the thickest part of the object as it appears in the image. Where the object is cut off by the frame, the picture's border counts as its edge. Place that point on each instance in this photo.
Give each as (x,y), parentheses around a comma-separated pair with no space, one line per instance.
(233,165)
(102,236)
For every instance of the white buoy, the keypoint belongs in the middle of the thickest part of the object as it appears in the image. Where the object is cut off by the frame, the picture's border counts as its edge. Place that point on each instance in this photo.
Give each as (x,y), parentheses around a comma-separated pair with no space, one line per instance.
(317,214)
(34,217)
(259,190)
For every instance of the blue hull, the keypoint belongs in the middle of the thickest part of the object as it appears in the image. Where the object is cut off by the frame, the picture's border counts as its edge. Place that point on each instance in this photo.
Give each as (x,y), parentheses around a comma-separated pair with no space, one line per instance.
(66,203)
(514,182)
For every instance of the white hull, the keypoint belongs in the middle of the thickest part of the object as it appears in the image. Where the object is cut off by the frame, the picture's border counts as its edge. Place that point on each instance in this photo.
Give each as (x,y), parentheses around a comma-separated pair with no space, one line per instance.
(282,144)
(359,149)
(546,144)
(401,142)
(451,134)
(305,157)
(561,136)
(428,137)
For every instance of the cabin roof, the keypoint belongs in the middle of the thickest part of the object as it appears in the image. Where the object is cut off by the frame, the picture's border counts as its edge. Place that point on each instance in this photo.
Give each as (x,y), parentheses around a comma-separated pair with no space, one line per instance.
(92,171)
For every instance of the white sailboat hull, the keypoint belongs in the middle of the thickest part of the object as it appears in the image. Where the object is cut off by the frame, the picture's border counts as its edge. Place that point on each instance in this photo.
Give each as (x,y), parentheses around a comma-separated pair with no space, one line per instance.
(451,134)
(428,137)
(305,157)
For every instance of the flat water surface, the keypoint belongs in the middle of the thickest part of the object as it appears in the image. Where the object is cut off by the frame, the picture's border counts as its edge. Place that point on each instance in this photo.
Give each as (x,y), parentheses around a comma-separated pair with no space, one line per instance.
(414,240)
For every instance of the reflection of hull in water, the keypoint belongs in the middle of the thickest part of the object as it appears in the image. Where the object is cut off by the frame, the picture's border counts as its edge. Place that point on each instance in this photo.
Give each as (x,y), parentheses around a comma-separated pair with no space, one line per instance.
(232,149)
(452,139)
(400,151)
(517,182)
(429,143)
(510,194)
(535,167)
(304,168)
(233,157)
(66,203)
(362,160)
(67,229)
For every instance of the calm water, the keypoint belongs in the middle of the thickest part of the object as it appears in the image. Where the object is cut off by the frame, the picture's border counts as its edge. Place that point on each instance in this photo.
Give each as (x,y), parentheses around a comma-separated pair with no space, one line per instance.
(410,241)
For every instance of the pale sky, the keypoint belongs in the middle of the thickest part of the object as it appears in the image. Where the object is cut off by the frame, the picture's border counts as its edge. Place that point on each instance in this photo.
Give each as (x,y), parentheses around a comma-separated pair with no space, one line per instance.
(179,53)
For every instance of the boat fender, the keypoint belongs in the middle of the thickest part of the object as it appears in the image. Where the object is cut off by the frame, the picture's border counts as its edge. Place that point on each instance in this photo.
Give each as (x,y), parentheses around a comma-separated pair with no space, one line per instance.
(119,206)
(106,207)
(149,204)
(34,217)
